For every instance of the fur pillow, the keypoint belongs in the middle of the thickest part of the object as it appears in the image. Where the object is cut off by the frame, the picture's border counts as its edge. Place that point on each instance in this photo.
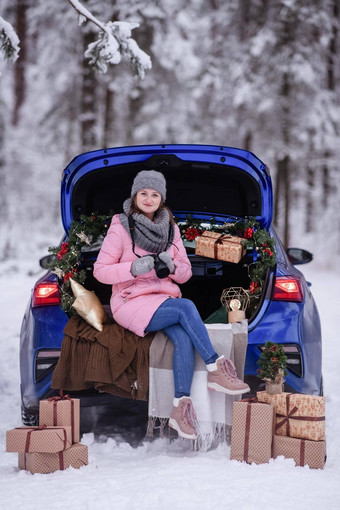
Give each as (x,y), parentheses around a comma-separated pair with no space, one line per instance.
(88,306)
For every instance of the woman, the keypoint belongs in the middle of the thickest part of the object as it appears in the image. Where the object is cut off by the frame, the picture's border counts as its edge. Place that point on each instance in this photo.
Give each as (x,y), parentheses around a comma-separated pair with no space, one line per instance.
(143,300)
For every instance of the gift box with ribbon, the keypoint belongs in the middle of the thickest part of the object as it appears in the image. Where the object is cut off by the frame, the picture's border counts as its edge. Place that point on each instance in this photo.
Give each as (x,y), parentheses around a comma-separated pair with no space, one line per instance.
(252,431)
(61,410)
(218,246)
(38,439)
(75,456)
(303,451)
(297,415)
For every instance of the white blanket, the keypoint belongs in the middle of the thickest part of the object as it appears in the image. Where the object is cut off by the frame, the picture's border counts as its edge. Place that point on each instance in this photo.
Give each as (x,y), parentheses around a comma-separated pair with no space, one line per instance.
(213,409)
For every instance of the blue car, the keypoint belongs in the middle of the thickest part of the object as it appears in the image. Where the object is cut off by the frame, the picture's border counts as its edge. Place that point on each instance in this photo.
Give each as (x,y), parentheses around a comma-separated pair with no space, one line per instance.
(203,181)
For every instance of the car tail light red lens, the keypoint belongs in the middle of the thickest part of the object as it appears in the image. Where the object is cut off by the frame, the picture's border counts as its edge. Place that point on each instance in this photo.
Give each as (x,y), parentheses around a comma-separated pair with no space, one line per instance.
(46,294)
(287,289)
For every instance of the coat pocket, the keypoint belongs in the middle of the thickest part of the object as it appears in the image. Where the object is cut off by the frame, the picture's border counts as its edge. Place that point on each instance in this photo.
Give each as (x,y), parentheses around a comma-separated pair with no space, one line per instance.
(126,290)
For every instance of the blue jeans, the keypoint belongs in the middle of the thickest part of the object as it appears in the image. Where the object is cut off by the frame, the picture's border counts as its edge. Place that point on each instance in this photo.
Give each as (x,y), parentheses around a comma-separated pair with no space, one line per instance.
(181,322)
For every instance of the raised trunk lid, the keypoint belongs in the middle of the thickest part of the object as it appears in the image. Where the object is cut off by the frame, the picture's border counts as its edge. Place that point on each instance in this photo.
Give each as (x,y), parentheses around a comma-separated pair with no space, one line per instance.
(212,180)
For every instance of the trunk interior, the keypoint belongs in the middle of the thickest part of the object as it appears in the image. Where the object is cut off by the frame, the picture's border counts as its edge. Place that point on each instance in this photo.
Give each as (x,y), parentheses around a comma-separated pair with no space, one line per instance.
(213,190)
(210,278)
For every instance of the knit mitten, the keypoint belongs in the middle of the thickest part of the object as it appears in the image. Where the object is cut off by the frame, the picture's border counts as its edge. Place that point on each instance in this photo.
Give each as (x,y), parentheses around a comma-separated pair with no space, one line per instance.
(142,265)
(165,257)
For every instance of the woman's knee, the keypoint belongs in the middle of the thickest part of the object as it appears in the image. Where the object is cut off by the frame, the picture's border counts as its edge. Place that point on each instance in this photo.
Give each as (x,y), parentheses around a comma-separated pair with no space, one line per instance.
(188,305)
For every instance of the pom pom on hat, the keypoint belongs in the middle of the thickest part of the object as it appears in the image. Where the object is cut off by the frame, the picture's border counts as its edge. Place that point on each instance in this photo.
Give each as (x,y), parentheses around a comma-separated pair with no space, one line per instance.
(149,179)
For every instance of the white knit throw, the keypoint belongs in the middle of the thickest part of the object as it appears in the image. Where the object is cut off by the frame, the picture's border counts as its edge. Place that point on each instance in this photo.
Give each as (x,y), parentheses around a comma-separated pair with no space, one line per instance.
(213,409)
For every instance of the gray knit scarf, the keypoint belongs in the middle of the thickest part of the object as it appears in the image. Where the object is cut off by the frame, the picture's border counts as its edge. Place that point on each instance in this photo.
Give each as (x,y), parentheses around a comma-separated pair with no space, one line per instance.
(151,236)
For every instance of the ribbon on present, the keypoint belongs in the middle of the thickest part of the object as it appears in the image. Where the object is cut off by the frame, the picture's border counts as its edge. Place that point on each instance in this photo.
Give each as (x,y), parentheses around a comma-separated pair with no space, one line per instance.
(61,461)
(302,452)
(291,416)
(55,401)
(251,401)
(37,429)
(221,240)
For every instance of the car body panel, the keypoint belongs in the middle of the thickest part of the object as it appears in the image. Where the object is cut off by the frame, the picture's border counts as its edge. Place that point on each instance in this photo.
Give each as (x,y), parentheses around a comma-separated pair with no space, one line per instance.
(288,323)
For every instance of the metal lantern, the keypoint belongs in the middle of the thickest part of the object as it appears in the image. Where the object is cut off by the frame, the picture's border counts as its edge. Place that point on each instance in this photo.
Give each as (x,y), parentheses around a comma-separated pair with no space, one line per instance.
(236,300)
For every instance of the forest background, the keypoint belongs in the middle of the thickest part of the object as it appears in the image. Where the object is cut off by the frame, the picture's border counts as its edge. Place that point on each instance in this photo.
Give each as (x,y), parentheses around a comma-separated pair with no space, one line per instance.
(257,74)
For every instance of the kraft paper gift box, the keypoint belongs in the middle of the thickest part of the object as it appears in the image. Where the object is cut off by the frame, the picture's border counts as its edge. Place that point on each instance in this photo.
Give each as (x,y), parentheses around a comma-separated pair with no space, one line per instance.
(61,410)
(297,415)
(75,456)
(38,439)
(303,451)
(221,247)
(252,431)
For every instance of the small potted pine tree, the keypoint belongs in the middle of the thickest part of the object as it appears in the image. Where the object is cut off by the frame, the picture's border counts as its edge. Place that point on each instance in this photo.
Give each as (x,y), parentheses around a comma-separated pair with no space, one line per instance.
(272,363)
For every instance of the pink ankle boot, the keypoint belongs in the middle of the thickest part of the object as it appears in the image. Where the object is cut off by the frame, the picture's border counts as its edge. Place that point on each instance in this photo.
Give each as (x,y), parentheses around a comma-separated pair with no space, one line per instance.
(183,418)
(222,377)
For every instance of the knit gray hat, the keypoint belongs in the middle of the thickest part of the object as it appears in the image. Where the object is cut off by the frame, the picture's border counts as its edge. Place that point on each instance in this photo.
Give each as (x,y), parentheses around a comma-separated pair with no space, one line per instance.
(149,179)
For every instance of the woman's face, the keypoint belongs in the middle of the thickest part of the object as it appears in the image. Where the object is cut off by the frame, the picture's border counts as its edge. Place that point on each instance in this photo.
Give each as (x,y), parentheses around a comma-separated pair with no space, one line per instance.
(148,201)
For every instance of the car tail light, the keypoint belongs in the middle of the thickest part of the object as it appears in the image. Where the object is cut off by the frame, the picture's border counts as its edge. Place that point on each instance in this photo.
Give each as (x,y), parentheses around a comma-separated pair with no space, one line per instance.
(46,294)
(287,289)
(45,362)
(294,358)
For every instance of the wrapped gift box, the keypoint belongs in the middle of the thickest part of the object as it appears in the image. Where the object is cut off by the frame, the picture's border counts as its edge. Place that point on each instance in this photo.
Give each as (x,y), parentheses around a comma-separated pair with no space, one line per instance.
(75,456)
(61,411)
(38,439)
(252,431)
(303,451)
(219,246)
(297,415)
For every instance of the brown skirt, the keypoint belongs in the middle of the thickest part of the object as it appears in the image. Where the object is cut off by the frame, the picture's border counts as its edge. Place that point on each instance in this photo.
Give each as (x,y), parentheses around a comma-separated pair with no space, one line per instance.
(114,360)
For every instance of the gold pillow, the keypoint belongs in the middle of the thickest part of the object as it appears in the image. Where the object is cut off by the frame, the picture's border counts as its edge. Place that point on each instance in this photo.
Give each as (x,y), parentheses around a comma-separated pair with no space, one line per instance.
(88,306)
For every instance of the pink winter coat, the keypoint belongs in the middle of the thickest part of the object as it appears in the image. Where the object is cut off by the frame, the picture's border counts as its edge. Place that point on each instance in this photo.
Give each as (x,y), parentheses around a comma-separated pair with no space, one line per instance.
(134,300)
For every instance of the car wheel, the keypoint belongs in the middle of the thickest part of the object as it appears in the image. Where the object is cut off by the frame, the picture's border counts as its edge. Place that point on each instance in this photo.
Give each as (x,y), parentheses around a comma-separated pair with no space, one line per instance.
(29,419)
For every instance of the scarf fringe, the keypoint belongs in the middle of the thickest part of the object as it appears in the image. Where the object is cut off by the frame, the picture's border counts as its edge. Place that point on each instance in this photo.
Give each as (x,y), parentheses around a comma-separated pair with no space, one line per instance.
(210,434)
(156,423)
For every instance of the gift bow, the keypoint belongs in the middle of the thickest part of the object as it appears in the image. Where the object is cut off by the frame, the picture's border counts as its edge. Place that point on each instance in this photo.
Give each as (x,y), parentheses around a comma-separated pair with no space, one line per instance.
(219,240)
(291,416)
(39,428)
(61,396)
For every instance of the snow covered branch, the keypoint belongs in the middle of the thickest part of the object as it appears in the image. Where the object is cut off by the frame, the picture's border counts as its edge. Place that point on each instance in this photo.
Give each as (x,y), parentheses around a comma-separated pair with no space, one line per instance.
(114,44)
(9,41)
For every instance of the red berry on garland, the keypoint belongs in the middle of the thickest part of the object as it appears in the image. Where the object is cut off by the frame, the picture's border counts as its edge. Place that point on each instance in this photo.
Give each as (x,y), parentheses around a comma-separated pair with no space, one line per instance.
(248,233)
(63,250)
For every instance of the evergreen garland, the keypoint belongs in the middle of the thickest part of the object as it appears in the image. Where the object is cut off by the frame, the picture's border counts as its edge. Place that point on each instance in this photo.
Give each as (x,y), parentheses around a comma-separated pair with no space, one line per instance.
(86,231)
(83,234)
(256,239)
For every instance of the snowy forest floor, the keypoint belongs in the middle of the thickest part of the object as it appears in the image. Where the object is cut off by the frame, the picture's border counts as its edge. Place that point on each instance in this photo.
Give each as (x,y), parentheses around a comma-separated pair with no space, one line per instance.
(162,474)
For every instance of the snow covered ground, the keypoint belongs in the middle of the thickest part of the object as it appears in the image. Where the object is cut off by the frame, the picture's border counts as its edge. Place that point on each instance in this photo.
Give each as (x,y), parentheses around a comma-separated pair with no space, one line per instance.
(160,474)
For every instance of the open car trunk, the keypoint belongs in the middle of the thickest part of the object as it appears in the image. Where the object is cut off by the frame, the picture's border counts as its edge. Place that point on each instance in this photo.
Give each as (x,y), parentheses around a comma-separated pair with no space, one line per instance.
(205,181)
(210,278)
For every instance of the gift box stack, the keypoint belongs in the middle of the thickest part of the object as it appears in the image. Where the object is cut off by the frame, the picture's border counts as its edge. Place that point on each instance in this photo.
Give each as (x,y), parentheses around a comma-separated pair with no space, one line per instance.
(219,246)
(292,425)
(54,444)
